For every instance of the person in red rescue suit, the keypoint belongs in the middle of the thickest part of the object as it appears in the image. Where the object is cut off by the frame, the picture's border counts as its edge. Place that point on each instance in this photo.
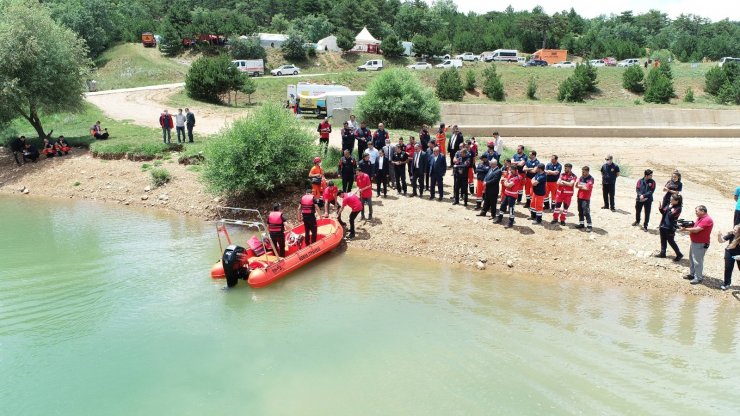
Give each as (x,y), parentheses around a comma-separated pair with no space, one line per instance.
(505,171)
(365,189)
(61,146)
(355,206)
(585,186)
(553,171)
(530,167)
(276,227)
(324,131)
(564,195)
(539,190)
(512,187)
(307,210)
(330,197)
(520,160)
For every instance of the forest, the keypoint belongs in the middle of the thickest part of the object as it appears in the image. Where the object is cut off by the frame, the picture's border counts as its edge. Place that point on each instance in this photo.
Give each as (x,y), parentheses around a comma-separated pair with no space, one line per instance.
(434,29)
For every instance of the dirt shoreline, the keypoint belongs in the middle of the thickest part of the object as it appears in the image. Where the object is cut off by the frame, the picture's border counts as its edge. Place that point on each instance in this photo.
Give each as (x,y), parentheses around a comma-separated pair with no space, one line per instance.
(614,254)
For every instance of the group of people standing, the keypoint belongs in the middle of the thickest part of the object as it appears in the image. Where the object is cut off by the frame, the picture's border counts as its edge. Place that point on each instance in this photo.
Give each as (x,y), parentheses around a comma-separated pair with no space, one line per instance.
(180,123)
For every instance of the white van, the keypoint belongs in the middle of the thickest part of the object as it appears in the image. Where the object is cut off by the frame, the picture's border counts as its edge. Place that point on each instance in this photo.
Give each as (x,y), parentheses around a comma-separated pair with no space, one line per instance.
(505,55)
(450,63)
(372,65)
(253,67)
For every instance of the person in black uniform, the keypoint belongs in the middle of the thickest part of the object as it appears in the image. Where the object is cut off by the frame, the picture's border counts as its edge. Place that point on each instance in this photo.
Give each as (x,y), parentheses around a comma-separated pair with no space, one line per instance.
(364,137)
(347,166)
(490,194)
(480,175)
(17,146)
(30,152)
(418,168)
(366,166)
(668,226)
(460,176)
(609,175)
(400,158)
(382,167)
(348,138)
(424,138)
(645,188)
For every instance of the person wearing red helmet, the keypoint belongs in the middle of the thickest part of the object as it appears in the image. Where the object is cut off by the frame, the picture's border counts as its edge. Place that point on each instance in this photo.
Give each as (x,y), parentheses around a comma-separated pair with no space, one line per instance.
(316,176)
(355,206)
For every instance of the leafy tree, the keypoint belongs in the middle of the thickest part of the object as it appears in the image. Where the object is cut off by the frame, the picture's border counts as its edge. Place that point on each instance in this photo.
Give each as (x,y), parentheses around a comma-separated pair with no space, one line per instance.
(249,157)
(532,89)
(247,49)
(632,79)
(171,41)
(729,93)
(422,45)
(397,98)
(45,68)
(92,20)
(210,78)
(313,27)
(571,90)
(293,49)
(345,40)
(689,97)
(391,46)
(449,86)
(493,88)
(279,23)
(470,80)
(248,87)
(658,86)
(714,80)
(586,74)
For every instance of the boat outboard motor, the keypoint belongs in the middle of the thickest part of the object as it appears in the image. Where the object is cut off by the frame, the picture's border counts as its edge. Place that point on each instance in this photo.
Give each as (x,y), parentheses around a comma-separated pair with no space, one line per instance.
(231,262)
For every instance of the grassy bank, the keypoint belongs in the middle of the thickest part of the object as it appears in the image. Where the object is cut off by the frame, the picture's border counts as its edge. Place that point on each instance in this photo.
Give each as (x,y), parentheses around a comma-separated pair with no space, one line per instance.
(131,65)
(127,140)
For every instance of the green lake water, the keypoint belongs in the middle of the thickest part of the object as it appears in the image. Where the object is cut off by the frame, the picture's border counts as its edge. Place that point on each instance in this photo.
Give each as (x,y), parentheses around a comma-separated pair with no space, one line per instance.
(107,310)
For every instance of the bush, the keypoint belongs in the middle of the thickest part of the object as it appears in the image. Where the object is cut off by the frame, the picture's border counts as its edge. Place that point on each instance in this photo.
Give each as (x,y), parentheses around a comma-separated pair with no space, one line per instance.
(397,98)
(160,176)
(209,78)
(247,49)
(345,39)
(586,74)
(293,49)
(658,87)
(729,93)
(470,80)
(571,90)
(449,86)
(493,88)
(391,46)
(632,79)
(249,87)
(258,154)
(689,97)
(171,42)
(532,89)
(714,80)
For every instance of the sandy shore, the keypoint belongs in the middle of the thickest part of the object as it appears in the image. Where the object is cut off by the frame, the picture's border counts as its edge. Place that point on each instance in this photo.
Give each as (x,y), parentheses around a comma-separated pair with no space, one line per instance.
(615,253)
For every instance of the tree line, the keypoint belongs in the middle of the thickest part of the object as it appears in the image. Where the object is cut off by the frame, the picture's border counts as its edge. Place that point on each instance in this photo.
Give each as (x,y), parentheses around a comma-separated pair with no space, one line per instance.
(434,29)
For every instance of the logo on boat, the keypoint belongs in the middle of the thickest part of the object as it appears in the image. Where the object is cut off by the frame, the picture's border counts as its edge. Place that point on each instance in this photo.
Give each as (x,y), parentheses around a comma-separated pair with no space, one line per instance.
(309,253)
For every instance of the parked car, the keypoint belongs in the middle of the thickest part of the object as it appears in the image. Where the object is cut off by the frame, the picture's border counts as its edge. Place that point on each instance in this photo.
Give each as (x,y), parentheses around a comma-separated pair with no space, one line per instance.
(727,59)
(597,62)
(486,56)
(450,63)
(610,61)
(288,69)
(628,62)
(468,56)
(520,60)
(564,64)
(536,62)
(420,65)
(443,57)
(371,65)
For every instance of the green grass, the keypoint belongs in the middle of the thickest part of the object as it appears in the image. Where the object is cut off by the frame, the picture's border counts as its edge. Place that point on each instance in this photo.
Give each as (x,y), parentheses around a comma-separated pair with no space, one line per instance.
(132,65)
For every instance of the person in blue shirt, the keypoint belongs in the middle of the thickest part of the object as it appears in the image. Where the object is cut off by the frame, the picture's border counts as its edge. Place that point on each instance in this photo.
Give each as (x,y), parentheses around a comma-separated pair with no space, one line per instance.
(539,189)
(645,188)
(552,171)
(737,206)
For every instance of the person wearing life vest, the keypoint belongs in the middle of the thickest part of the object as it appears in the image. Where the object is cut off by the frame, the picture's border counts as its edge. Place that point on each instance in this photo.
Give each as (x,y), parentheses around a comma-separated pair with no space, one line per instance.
(330,197)
(316,176)
(480,174)
(324,131)
(365,189)
(512,187)
(61,146)
(564,196)
(585,186)
(48,148)
(530,167)
(307,210)
(355,206)
(442,139)
(276,227)
(539,190)
(552,171)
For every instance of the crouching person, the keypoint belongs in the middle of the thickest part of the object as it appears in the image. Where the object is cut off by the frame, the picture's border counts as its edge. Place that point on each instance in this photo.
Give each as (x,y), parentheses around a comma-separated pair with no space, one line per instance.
(355,206)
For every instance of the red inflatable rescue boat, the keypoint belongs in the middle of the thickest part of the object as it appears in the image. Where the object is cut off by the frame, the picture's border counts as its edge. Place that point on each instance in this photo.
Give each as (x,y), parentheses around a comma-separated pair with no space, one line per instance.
(257,262)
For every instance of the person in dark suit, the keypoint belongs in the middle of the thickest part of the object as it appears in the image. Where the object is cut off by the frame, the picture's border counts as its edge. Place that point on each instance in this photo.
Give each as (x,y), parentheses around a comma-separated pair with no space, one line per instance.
(418,168)
(453,146)
(490,194)
(437,170)
(382,169)
(428,153)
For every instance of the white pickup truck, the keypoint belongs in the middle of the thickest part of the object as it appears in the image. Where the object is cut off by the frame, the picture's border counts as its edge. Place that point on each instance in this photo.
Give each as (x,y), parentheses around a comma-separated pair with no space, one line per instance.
(372,65)
(468,56)
(450,63)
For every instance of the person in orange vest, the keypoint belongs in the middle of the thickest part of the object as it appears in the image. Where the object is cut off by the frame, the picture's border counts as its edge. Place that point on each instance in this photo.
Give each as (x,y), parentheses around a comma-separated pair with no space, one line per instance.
(324,130)
(316,176)
(276,227)
(365,189)
(355,205)
(330,197)
(565,195)
(442,138)
(307,210)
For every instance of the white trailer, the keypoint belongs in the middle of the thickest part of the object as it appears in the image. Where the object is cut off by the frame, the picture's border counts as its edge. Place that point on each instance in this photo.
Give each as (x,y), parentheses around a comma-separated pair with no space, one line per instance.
(341,100)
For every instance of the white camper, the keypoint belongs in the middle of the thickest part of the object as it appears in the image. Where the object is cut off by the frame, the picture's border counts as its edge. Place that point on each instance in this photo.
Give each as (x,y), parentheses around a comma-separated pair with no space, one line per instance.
(341,100)
(253,67)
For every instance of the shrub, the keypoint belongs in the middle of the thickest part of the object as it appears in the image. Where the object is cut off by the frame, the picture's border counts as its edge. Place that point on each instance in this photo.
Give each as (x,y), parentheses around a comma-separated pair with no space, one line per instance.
(493,88)
(449,86)
(571,90)
(586,75)
(391,46)
(249,87)
(470,80)
(293,49)
(532,89)
(658,87)
(714,80)
(247,49)
(397,98)
(171,42)
(209,78)
(160,176)
(689,97)
(258,154)
(632,79)
(345,39)
(729,93)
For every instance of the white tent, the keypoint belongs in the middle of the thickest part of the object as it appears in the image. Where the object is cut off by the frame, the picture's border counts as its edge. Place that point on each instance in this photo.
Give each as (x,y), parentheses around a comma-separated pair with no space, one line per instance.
(272,40)
(365,38)
(328,44)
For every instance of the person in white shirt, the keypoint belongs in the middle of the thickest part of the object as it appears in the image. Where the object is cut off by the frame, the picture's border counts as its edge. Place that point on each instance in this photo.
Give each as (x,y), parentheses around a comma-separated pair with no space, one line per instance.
(353,124)
(373,152)
(498,146)
(180,125)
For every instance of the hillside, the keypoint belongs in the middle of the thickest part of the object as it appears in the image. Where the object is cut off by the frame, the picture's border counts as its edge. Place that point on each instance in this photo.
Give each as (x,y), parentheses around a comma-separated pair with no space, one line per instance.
(131,65)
